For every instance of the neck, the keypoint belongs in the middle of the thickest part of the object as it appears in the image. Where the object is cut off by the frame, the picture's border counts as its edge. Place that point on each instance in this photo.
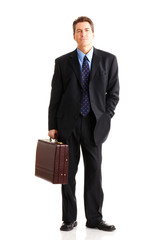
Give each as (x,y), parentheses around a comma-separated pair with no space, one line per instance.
(86,49)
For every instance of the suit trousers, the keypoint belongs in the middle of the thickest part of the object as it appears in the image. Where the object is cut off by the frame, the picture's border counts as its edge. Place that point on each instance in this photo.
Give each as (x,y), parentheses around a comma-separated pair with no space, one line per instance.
(82,136)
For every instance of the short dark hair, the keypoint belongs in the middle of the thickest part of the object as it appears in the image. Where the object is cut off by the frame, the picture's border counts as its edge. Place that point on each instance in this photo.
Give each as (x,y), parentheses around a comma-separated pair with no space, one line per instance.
(83,19)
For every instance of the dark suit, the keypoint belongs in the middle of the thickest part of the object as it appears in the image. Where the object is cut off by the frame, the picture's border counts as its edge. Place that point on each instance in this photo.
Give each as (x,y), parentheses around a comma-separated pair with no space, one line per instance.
(91,131)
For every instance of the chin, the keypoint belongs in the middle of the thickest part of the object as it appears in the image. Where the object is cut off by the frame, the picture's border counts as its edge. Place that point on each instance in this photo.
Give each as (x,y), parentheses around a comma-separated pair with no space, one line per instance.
(84,44)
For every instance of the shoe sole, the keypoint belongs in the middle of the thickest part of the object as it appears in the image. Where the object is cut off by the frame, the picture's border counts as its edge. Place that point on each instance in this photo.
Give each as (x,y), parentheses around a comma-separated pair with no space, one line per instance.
(107,230)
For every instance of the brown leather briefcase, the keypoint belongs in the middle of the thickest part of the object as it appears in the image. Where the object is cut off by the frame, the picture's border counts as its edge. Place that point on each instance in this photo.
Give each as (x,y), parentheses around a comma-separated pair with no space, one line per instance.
(52,160)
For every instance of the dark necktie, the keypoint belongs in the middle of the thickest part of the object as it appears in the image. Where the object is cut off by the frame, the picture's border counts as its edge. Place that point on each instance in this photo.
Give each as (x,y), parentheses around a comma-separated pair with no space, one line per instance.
(85,104)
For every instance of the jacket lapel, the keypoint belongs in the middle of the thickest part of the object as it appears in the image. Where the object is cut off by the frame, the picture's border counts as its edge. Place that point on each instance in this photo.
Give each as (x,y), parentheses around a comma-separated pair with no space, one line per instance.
(76,66)
(95,64)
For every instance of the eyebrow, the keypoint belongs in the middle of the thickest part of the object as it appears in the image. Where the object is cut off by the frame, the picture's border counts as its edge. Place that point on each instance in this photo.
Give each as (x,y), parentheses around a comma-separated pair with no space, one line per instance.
(81,29)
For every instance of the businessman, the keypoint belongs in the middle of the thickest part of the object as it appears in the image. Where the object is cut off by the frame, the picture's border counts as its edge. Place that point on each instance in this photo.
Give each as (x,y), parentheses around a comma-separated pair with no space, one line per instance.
(85,92)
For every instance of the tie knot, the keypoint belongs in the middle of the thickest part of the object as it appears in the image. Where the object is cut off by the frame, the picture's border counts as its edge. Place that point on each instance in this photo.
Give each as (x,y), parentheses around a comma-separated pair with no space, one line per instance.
(85,58)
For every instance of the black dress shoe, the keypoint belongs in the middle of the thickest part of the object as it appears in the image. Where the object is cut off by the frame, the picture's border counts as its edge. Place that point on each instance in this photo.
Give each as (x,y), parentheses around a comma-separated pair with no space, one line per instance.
(68,226)
(103,226)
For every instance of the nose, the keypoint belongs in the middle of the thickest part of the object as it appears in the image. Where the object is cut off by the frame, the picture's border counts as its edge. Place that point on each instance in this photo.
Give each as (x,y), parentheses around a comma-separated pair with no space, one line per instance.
(83,33)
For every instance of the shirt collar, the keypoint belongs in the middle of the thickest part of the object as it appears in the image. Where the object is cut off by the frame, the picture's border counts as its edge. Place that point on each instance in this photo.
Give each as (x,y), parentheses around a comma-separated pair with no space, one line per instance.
(81,55)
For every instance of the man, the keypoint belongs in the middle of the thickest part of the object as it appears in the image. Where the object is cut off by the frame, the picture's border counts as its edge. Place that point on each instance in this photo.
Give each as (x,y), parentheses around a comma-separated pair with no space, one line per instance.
(85,92)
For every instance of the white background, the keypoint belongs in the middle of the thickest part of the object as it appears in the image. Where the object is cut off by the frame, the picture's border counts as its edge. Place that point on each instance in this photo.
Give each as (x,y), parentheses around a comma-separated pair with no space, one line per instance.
(32,34)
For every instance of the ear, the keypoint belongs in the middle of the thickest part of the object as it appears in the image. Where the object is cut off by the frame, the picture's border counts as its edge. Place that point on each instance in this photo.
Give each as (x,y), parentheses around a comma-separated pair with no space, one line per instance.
(74,36)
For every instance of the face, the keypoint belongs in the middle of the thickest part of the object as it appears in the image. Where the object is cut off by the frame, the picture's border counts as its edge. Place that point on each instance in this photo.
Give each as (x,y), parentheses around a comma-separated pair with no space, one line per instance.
(83,35)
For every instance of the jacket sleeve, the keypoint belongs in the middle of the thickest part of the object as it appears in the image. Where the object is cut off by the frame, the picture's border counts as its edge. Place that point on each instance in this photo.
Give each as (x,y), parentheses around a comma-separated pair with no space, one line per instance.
(56,93)
(112,92)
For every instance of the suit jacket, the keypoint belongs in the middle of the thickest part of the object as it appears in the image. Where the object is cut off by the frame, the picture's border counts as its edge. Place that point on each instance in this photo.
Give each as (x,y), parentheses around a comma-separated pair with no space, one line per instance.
(66,93)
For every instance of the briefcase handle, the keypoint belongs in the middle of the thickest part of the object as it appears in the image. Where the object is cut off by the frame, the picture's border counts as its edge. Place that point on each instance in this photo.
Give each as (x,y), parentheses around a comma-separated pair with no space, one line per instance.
(53,140)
